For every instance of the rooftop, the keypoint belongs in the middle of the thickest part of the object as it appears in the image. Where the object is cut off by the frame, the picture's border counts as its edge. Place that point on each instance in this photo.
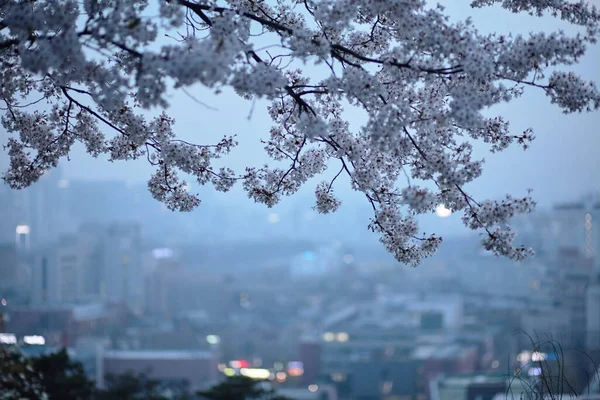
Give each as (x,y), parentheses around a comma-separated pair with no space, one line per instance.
(298,394)
(87,312)
(440,352)
(469,379)
(157,354)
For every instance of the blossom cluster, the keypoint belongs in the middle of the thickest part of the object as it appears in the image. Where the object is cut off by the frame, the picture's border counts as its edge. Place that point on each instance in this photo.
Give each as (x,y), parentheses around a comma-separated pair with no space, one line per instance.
(422,82)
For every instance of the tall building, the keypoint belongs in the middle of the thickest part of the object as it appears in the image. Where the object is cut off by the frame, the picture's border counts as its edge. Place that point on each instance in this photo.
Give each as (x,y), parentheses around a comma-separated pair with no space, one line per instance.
(14,274)
(98,263)
(56,273)
(45,209)
(122,272)
(35,216)
(593,315)
(567,225)
(68,265)
(310,356)
(15,226)
(44,282)
(571,273)
(8,204)
(9,263)
(92,257)
(578,225)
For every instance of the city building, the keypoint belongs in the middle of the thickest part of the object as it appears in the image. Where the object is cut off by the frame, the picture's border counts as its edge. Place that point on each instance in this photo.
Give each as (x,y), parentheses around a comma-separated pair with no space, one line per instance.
(445,359)
(571,274)
(98,263)
(196,368)
(482,387)
(172,290)
(45,281)
(14,274)
(382,379)
(12,213)
(45,209)
(63,325)
(577,225)
(122,273)
(593,315)
(310,355)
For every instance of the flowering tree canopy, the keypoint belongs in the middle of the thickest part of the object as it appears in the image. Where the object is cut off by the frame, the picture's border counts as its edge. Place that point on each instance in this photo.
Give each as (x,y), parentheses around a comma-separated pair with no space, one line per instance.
(422,81)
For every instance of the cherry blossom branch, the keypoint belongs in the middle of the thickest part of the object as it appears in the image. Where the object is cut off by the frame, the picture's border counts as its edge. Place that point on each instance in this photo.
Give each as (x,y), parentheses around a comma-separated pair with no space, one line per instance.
(422,80)
(336,48)
(65,90)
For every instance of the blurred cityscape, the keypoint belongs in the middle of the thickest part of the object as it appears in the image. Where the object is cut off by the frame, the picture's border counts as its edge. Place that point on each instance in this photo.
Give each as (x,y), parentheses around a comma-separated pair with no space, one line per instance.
(102,269)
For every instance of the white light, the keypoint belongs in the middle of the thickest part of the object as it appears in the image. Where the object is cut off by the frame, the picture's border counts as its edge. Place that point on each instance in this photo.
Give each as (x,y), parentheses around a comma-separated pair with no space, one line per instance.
(337,377)
(537,356)
(387,387)
(313,388)
(524,357)
(273,218)
(256,373)
(63,184)
(213,339)
(22,230)
(34,340)
(8,338)
(348,258)
(342,337)
(329,336)
(535,371)
(3,302)
(442,211)
(495,364)
(162,253)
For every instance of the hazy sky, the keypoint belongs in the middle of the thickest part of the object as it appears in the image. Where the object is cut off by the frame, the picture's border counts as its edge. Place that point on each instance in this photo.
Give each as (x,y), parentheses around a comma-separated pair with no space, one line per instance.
(562,163)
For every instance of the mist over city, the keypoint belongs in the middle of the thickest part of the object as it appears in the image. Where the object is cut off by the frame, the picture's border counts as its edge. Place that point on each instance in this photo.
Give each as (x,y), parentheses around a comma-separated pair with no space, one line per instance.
(273,209)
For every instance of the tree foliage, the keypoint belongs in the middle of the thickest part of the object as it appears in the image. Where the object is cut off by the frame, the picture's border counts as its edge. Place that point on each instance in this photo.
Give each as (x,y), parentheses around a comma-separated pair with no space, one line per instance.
(422,80)
(240,387)
(132,386)
(62,377)
(57,376)
(18,378)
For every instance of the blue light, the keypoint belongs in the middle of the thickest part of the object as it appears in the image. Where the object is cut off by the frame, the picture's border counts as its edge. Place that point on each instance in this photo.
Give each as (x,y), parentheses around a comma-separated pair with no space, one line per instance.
(309,255)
